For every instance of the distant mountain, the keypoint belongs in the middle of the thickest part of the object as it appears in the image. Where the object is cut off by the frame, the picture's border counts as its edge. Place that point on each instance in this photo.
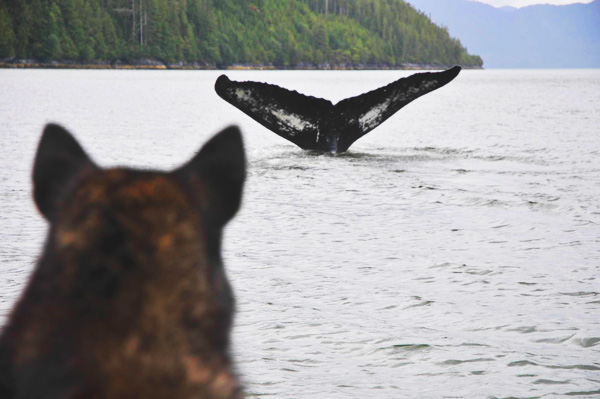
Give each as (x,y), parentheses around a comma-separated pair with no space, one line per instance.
(541,36)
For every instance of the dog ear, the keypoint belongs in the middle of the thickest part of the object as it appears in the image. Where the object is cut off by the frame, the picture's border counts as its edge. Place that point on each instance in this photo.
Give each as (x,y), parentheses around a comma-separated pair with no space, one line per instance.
(216,175)
(59,159)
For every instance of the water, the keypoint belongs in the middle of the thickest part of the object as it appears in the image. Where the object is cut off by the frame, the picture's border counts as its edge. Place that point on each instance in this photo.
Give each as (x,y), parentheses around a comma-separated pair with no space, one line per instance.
(454,252)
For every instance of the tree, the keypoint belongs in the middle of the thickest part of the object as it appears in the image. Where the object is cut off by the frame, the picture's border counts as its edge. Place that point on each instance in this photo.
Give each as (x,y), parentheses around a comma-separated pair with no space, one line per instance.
(7,35)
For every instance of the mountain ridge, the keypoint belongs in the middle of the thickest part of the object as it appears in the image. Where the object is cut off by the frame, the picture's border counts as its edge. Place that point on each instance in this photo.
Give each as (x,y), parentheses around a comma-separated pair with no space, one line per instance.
(536,36)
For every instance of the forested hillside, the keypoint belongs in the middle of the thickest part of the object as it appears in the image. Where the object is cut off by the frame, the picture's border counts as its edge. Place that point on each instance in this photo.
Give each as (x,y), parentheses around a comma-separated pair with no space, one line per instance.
(283,33)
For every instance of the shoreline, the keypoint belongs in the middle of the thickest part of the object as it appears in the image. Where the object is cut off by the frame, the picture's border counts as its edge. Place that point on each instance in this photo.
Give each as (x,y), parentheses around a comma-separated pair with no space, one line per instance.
(152,64)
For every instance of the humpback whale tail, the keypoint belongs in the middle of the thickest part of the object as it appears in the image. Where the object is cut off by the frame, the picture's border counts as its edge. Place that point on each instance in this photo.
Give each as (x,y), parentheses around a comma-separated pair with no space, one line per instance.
(317,124)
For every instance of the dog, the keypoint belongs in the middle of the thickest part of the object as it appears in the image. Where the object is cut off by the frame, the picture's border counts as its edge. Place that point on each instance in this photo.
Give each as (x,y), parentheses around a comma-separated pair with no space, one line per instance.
(129,298)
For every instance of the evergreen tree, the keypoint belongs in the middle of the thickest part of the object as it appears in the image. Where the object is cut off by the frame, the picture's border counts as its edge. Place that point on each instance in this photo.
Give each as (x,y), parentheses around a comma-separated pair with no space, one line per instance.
(7,35)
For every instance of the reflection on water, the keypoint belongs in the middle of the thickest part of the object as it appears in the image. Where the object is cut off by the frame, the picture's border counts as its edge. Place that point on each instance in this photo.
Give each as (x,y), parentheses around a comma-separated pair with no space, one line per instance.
(451,253)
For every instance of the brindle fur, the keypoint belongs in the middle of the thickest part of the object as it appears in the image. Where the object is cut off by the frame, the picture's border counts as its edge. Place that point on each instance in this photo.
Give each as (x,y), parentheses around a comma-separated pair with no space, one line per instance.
(129,298)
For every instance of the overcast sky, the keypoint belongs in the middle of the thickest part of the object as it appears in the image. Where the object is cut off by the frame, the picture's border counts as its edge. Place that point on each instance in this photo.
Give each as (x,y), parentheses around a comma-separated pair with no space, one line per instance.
(523,3)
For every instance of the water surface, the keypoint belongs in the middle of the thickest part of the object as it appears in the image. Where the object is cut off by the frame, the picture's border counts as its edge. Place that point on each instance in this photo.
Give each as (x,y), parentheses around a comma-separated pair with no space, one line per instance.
(453,252)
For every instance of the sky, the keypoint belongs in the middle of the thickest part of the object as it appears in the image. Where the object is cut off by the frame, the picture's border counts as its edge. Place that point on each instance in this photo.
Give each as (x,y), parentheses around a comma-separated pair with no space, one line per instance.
(523,3)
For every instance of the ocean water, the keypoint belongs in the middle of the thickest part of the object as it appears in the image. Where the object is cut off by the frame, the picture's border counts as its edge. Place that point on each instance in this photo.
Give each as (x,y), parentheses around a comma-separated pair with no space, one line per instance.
(453,252)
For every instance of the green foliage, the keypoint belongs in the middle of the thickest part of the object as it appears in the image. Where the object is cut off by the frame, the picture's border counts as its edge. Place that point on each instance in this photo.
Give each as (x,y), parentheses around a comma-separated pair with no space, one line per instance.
(7,35)
(225,32)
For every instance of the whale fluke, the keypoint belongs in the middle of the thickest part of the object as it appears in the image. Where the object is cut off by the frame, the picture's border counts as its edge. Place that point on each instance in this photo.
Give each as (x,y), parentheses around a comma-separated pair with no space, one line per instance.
(317,124)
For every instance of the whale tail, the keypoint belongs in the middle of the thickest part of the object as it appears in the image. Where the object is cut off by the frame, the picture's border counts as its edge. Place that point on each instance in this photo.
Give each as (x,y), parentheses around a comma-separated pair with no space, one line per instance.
(317,124)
